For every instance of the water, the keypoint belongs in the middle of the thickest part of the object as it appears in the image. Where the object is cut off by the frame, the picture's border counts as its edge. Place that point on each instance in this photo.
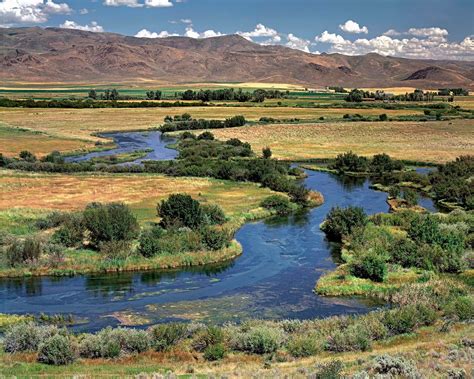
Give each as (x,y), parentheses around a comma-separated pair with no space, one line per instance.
(283,257)
(133,141)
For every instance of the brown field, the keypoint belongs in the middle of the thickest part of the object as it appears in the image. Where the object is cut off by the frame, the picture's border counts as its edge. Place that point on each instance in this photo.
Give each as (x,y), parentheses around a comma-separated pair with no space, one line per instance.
(79,124)
(141,192)
(422,141)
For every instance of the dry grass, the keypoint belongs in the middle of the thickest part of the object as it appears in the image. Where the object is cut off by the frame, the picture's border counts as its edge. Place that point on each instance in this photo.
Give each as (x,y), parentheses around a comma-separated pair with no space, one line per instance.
(422,141)
(140,191)
(81,123)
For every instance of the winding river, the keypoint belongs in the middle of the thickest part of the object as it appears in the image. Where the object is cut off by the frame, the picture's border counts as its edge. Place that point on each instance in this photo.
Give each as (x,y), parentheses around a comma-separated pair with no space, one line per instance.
(282,259)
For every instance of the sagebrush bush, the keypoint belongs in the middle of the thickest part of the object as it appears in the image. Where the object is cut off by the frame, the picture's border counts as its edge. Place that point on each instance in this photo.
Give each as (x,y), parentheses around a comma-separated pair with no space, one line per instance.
(123,341)
(394,367)
(461,308)
(56,350)
(259,340)
(214,352)
(26,337)
(330,370)
(165,336)
(304,345)
(353,338)
(205,337)
(91,346)
(407,319)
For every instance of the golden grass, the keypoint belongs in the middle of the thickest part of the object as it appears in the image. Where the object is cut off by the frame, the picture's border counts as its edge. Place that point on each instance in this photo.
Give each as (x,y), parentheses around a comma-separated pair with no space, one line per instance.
(422,141)
(79,124)
(141,191)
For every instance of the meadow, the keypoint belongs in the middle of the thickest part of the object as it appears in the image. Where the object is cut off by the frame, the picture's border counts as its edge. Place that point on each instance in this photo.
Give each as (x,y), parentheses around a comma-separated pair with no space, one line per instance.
(439,141)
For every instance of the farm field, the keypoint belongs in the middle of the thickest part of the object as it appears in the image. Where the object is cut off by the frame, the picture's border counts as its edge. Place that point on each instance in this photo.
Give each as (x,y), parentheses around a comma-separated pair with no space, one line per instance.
(72,129)
(421,141)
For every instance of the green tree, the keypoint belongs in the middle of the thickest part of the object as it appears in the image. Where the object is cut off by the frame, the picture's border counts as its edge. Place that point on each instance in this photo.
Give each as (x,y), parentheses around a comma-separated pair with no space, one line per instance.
(180,210)
(267,153)
(92,94)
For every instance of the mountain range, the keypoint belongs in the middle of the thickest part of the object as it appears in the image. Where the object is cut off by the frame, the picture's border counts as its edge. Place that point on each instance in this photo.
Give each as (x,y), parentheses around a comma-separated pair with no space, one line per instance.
(71,56)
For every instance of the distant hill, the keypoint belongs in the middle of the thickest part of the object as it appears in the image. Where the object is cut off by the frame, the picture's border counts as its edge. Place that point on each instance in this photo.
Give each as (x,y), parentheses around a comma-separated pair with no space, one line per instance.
(66,55)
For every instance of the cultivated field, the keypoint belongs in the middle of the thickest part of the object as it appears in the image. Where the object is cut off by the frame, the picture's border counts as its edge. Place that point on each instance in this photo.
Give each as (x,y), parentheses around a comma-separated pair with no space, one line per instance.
(421,141)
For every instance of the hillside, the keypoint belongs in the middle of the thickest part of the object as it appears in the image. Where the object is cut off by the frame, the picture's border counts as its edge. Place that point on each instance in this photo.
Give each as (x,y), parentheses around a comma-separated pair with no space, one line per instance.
(65,55)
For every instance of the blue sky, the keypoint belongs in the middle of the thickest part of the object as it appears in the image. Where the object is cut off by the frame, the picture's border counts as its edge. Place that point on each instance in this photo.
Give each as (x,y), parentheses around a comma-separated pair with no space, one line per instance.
(416,28)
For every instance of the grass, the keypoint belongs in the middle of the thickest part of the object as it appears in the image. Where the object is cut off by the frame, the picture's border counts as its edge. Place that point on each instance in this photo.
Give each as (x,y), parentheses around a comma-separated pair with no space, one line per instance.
(73,129)
(421,141)
(340,283)
(41,191)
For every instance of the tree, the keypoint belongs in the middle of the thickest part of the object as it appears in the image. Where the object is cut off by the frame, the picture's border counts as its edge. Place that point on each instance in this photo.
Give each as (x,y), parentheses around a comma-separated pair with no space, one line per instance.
(410,196)
(180,210)
(150,95)
(27,156)
(267,153)
(356,96)
(341,221)
(110,222)
(158,95)
(114,95)
(92,94)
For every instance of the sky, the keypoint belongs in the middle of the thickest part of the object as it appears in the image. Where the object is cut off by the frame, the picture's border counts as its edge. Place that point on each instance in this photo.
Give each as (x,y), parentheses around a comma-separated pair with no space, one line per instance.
(414,29)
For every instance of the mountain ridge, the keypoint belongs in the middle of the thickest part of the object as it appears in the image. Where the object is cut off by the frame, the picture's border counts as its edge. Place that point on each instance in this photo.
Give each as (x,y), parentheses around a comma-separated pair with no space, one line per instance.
(67,55)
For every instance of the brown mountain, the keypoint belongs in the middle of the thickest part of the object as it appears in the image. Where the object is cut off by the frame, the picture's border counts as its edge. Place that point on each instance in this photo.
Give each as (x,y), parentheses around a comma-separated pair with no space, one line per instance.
(64,55)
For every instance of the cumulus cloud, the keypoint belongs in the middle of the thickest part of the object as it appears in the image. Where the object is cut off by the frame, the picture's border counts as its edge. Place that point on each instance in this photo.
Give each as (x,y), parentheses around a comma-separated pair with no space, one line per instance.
(84,11)
(427,32)
(190,32)
(391,33)
(30,11)
(297,43)
(431,47)
(144,33)
(137,4)
(260,31)
(332,38)
(353,27)
(93,27)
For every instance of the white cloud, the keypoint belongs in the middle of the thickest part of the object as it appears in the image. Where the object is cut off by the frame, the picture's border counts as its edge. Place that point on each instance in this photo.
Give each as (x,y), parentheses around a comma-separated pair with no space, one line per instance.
(137,4)
(84,11)
(30,11)
(431,47)
(428,32)
(260,31)
(126,3)
(353,27)
(93,27)
(158,3)
(332,38)
(297,43)
(144,33)
(391,33)
(186,21)
(190,32)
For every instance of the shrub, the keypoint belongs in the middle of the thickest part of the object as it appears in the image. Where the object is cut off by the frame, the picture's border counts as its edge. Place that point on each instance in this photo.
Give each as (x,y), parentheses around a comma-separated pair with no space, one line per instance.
(26,337)
(180,210)
(165,336)
(410,196)
(383,117)
(110,222)
(19,252)
(206,136)
(56,350)
(214,238)
(71,232)
(330,370)
(280,204)
(353,338)
(405,319)
(149,244)
(260,340)
(304,346)
(266,153)
(394,367)
(394,192)
(370,266)
(213,214)
(116,249)
(214,352)
(27,156)
(350,162)
(404,252)
(298,194)
(461,308)
(206,337)
(341,221)
(91,346)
